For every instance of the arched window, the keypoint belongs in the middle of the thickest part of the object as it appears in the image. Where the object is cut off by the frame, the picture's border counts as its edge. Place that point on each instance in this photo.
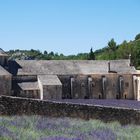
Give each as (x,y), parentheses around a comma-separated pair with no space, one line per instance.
(82,84)
(125,96)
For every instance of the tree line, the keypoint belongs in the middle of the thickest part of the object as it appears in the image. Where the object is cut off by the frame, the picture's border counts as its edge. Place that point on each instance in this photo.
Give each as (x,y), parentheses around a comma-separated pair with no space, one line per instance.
(125,50)
(38,55)
(111,51)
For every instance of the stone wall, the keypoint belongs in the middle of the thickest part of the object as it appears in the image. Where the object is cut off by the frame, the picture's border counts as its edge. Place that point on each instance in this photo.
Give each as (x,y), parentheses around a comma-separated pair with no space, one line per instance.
(30,93)
(52,92)
(84,86)
(5,84)
(50,87)
(128,87)
(4,60)
(81,88)
(20,106)
(66,87)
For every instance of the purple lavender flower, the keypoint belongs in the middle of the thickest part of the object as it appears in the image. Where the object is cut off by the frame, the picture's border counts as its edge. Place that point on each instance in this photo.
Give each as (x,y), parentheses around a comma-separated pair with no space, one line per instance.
(107,102)
(59,138)
(6,132)
(42,125)
(103,134)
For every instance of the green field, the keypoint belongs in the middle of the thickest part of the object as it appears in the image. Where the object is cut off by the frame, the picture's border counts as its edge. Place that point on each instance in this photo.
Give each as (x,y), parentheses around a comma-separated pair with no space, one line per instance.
(43,128)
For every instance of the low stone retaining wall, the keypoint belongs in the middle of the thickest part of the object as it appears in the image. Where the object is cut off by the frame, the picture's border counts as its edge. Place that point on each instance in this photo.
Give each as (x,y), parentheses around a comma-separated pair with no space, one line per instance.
(24,106)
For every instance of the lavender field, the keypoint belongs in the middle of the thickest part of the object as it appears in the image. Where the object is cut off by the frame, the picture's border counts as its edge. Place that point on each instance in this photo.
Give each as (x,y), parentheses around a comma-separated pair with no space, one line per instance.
(43,128)
(132,104)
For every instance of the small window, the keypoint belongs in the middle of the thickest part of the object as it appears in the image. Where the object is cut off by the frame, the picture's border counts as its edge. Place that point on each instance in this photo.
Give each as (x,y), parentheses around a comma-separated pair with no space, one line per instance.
(126,84)
(83,84)
(86,97)
(93,84)
(117,96)
(125,96)
(99,96)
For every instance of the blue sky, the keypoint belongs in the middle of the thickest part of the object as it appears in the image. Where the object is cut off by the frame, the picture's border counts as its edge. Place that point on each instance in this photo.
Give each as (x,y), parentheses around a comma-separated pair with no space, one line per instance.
(67,26)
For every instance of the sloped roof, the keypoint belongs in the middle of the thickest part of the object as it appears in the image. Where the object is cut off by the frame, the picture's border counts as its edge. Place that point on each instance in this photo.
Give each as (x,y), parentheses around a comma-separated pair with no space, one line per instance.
(67,67)
(3,71)
(49,80)
(122,66)
(29,85)
(2,52)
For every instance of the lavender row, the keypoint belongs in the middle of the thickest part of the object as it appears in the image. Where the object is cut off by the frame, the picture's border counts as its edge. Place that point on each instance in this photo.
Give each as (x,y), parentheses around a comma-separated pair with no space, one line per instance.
(105,102)
(43,128)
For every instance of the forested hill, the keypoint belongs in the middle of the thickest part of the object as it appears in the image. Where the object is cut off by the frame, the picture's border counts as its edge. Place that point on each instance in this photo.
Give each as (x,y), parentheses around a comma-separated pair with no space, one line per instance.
(110,52)
(123,51)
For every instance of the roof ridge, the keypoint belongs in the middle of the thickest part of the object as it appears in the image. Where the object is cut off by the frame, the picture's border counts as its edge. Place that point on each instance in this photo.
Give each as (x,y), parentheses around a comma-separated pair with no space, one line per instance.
(3,71)
(2,52)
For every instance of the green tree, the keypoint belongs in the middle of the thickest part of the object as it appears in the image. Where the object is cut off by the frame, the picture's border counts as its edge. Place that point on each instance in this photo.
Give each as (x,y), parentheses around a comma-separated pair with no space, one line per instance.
(51,53)
(137,36)
(112,49)
(136,54)
(91,55)
(112,45)
(45,52)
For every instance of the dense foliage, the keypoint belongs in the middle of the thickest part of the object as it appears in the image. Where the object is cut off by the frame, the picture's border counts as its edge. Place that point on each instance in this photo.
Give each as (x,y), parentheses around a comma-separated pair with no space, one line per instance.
(110,52)
(125,50)
(43,128)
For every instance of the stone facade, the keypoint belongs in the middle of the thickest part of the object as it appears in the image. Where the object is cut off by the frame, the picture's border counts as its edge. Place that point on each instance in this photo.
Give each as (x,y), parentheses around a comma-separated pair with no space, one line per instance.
(136,84)
(5,82)
(97,86)
(50,87)
(29,89)
(24,106)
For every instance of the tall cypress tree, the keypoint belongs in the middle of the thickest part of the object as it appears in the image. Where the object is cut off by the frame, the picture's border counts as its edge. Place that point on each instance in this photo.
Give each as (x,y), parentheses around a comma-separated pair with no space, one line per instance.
(91,55)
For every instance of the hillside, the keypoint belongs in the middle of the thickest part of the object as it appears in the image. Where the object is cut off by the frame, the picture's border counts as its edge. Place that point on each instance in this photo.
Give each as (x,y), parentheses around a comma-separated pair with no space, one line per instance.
(37,55)
(123,51)
(111,52)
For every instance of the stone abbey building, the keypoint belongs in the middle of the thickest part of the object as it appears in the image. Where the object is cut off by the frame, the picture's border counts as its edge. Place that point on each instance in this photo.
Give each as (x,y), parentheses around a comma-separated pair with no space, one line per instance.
(72,79)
